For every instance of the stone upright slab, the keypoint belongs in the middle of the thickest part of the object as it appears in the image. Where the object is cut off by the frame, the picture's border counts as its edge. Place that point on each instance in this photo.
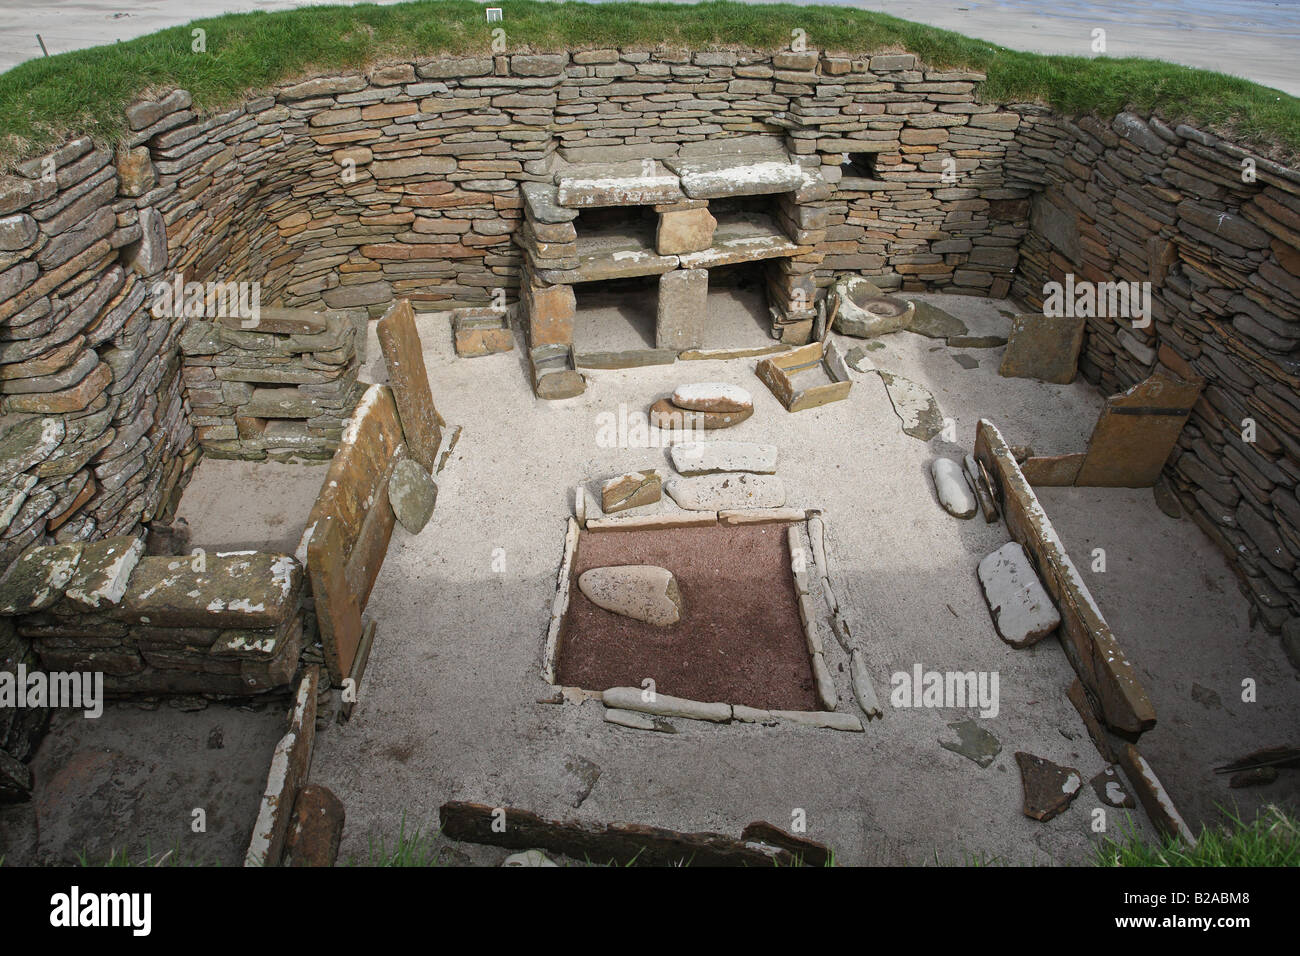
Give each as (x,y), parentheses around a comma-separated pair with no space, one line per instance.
(1045,347)
(683,303)
(410,382)
(1137,432)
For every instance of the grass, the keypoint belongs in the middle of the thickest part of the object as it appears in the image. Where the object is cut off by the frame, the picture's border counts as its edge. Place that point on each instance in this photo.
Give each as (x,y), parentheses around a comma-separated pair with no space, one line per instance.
(122,858)
(43,101)
(1272,838)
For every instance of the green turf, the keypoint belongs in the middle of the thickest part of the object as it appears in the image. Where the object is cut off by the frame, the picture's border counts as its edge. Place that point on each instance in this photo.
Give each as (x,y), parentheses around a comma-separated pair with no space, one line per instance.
(42,101)
(1272,838)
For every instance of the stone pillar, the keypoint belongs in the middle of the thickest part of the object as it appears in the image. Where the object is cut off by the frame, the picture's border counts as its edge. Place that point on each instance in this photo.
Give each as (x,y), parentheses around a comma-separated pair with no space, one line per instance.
(683,299)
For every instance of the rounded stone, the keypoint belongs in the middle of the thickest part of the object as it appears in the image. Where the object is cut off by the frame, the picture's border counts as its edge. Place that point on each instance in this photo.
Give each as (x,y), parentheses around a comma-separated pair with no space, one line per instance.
(950,485)
(642,592)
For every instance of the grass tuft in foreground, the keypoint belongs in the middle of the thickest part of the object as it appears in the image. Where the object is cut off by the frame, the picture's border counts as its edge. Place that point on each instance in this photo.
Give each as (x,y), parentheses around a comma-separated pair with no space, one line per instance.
(43,101)
(1272,838)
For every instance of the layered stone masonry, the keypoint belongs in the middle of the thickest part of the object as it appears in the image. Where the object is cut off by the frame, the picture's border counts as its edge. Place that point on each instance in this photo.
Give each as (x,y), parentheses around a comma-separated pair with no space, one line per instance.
(345,191)
(226,624)
(283,389)
(1215,230)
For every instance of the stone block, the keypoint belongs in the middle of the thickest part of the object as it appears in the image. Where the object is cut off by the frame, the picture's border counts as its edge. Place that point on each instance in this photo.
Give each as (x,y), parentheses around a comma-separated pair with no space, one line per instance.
(409,380)
(681,310)
(551,311)
(1045,347)
(684,230)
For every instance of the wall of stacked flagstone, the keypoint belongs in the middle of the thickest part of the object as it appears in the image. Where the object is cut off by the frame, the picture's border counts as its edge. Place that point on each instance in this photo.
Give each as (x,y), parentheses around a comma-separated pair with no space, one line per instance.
(345,191)
(1216,231)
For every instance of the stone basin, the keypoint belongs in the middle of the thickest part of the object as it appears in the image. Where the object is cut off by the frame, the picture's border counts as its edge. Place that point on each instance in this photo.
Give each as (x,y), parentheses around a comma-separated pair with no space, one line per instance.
(865,312)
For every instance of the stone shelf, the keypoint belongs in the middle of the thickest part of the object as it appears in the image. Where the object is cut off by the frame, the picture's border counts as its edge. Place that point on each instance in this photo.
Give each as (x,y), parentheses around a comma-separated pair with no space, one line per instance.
(613,254)
(716,177)
(743,237)
(616,184)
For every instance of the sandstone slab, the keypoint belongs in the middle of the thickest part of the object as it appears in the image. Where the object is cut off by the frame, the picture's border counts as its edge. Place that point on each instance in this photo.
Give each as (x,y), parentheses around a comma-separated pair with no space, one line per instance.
(709,457)
(631,490)
(713,397)
(1044,347)
(664,414)
(1049,787)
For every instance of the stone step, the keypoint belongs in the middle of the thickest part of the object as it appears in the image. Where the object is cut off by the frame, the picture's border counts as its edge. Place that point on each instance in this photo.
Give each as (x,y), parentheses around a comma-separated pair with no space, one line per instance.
(719,176)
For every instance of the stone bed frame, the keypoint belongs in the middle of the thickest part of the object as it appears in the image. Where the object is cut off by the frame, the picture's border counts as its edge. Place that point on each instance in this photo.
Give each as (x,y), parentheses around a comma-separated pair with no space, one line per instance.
(628,707)
(1107,693)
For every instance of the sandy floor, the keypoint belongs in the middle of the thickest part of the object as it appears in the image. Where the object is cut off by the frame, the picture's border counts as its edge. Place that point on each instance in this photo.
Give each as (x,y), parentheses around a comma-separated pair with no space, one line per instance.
(449,709)
(1251,38)
(1177,612)
(249,505)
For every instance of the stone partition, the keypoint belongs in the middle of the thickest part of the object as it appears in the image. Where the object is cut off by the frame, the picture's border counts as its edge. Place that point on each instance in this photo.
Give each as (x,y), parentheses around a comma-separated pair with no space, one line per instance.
(1215,230)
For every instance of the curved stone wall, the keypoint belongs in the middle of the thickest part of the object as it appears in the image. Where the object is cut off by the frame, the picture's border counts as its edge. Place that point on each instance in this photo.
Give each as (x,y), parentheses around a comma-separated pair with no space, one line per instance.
(346,191)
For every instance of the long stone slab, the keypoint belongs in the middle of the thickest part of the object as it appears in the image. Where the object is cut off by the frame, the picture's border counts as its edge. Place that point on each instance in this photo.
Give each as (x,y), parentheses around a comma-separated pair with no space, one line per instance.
(716,177)
(1137,431)
(616,184)
(404,356)
(748,239)
(727,491)
(709,457)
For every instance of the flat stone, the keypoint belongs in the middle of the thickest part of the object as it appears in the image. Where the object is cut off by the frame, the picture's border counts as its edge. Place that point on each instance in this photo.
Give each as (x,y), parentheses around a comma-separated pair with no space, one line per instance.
(616,184)
(316,828)
(973,742)
(542,203)
(710,457)
(681,309)
(1022,611)
(950,485)
(1043,347)
(713,178)
(37,579)
(713,397)
(664,414)
(934,323)
(638,721)
(413,494)
(1049,787)
(914,406)
(28,443)
(249,589)
(634,699)
(684,230)
(642,592)
(727,491)
(631,490)
(404,357)
(824,719)
(103,573)
(1111,791)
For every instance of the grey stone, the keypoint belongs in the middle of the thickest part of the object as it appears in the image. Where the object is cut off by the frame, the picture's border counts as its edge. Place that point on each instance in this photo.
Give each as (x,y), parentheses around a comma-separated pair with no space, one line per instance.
(727,491)
(950,486)
(973,742)
(710,457)
(681,309)
(413,494)
(1022,611)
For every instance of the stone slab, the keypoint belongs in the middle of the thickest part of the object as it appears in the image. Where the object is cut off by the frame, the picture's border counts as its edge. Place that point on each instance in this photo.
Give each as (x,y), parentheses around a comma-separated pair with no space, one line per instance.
(709,457)
(1022,611)
(727,491)
(409,380)
(1137,432)
(1043,347)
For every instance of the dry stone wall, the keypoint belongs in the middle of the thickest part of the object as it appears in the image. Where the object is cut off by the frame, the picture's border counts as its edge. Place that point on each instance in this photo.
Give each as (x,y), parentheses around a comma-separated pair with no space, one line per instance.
(342,192)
